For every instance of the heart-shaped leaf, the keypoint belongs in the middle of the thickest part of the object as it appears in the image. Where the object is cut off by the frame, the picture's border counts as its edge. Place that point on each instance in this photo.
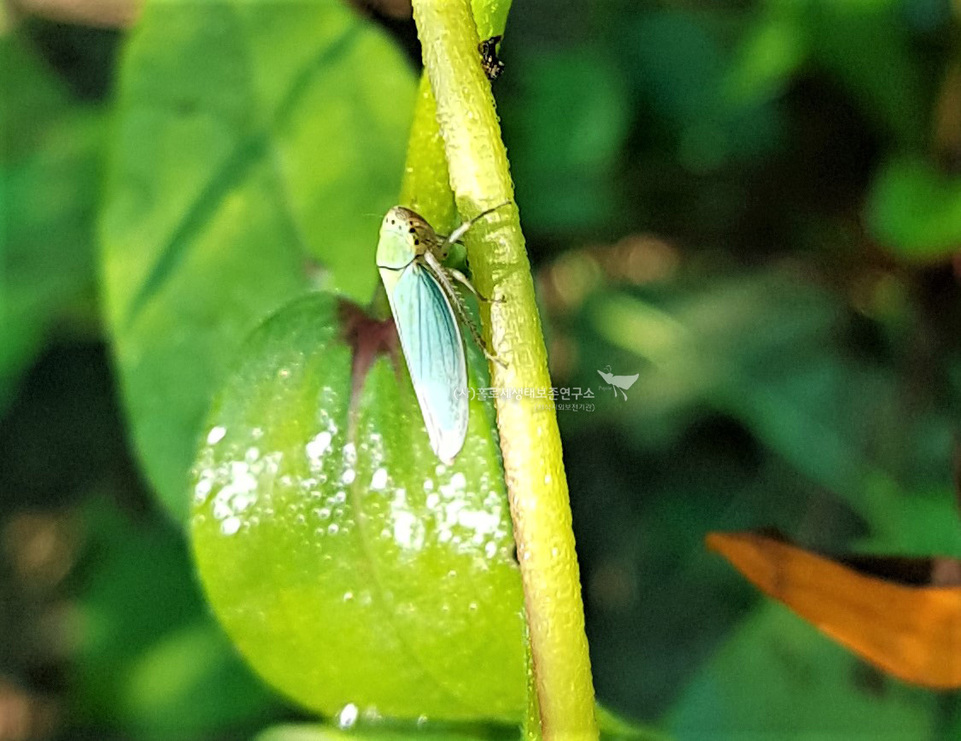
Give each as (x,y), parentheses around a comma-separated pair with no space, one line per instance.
(251,138)
(348,565)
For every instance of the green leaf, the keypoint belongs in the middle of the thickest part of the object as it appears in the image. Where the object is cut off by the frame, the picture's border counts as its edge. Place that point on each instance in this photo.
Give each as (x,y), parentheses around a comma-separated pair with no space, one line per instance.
(768,56)
(379,733)
(681,68)
(765,349)
(914,210)
(865,45)
(49,168)
(252,138)
(346,563)
(566,146)
(777,677)
(613,728)
(149,660)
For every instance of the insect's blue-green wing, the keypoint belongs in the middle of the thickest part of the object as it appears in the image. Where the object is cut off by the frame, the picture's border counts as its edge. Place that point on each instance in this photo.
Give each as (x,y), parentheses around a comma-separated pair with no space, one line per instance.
(434,350)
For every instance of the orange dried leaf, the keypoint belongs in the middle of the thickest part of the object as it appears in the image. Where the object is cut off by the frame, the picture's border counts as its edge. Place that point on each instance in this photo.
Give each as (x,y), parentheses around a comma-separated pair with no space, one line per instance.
(912,632)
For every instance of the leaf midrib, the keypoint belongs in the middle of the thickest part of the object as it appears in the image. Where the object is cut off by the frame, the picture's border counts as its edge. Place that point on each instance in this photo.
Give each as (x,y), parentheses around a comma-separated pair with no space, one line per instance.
(250,151)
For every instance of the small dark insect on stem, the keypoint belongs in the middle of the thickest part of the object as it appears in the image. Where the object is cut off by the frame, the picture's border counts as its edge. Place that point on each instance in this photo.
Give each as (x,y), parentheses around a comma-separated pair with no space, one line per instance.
(493,66)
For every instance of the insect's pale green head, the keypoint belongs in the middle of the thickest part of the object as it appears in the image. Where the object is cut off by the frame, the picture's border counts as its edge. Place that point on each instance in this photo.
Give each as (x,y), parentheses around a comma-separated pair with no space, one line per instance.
(404,234)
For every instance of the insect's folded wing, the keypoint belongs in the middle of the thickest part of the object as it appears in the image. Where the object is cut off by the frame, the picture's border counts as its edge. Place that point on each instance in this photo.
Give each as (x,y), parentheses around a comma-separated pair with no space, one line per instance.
(434,351)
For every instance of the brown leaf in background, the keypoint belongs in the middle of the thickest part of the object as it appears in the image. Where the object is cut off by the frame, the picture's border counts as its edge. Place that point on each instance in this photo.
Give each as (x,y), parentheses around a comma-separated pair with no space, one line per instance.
(910,631)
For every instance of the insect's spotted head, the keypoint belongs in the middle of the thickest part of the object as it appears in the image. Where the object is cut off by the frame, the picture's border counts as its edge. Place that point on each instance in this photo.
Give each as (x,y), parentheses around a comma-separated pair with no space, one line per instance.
(404,234)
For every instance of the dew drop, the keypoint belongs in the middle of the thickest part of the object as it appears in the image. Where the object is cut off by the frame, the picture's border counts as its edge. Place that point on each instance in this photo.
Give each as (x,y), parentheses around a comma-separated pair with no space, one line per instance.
(202,490)
(318,446)
(230,526)
(379,480)
(216,434)
(348,716)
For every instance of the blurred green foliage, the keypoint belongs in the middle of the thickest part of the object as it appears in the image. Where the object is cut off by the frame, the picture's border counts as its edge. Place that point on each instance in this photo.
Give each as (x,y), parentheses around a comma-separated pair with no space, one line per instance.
(50,162)
(753,205)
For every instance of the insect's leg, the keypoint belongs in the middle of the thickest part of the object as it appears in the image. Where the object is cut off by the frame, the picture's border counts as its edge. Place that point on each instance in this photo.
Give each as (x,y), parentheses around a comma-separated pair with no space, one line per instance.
(460,231)
(475,333)
(457,275)
(441,273)
(462,279)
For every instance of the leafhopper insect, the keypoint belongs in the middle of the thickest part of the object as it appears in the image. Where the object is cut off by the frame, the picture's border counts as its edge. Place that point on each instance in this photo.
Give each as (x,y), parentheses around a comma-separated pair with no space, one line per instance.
(426,309)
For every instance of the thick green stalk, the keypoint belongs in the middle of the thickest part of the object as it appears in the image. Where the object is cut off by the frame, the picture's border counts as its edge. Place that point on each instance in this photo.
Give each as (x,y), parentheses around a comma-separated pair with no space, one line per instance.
(530,442)
(426,186)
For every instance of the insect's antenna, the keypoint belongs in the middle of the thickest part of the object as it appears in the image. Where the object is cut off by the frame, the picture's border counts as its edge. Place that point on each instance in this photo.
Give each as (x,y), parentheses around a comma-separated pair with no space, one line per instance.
(460,231)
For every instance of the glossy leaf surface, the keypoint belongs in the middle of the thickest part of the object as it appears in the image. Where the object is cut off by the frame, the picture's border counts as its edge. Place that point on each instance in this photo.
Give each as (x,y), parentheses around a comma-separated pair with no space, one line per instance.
(348,565)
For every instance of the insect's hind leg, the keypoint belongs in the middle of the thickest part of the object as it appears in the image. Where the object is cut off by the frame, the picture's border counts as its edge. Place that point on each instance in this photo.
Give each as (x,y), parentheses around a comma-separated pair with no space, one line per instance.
(446,276)
(462,279)
(468,320)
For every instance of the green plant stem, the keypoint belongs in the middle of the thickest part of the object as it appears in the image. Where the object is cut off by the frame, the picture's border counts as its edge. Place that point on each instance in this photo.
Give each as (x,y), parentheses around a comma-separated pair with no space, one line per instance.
(426,186)
(530,442)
